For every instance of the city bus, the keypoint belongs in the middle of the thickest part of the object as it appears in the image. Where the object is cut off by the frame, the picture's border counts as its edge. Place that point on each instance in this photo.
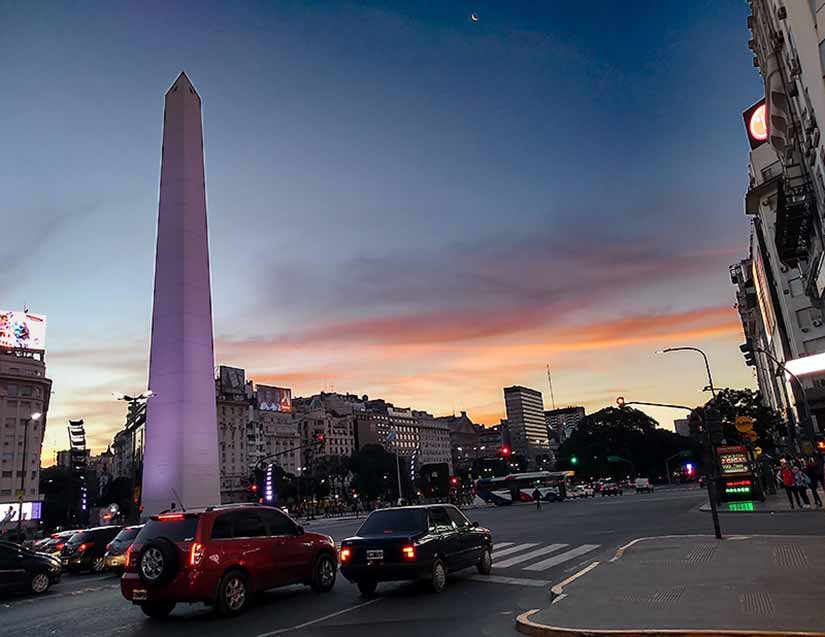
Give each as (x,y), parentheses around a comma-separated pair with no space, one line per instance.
(519,487)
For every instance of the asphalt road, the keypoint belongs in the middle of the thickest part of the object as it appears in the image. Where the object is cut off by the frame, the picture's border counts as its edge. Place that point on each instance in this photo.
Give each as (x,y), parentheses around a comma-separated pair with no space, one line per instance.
(533,550)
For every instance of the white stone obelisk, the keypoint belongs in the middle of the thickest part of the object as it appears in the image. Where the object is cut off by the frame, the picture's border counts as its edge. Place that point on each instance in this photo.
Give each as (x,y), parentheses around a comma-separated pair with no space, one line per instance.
(181,443)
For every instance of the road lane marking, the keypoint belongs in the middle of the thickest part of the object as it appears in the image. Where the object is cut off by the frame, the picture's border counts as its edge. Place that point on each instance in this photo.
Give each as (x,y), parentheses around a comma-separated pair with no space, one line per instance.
(562,557)
(524,557)
(281,631)
(501,545)
(515,549)
(517,581)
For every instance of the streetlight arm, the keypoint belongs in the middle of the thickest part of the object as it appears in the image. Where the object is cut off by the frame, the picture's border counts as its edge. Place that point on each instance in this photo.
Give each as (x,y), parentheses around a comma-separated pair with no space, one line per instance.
(704,356)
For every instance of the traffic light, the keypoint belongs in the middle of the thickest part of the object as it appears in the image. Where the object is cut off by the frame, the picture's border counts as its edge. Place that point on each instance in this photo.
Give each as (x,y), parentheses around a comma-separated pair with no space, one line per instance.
(620,402)
(574,460)
(820,446)
(505,451)
(713,421)
(454,481)
(319,438)
(747,351)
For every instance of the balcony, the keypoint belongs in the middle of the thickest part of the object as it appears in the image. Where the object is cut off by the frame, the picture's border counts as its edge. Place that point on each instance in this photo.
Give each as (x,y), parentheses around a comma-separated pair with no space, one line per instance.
(794,216)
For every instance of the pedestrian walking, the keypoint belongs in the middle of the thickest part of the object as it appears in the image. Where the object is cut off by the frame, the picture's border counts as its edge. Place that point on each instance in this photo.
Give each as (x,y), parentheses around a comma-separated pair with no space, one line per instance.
(789,484)
(814,473)
(537,498)
(802,484)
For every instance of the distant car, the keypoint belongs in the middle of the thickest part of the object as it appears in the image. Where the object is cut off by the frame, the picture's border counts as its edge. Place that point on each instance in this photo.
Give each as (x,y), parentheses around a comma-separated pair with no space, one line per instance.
(25,570)
(643,485)
(419,543)
(115,555)
(611,488)
(582,491)
(221,556)
(85,549)
(54,543)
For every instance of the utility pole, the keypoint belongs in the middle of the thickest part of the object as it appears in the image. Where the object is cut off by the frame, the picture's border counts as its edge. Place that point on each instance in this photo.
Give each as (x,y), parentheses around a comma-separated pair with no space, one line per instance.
(550,382)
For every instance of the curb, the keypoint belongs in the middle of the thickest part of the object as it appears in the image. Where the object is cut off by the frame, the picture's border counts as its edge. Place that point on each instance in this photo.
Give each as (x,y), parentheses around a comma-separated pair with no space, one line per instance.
(526,626)
(705,508)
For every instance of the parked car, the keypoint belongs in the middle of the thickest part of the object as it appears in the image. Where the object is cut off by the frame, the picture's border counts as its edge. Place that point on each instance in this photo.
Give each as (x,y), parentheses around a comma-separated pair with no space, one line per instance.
(25,570)
(220,556)
(611,488)
(643,485)
(421,543)
(583,491)
(85,549)
(115,555)
(54,543)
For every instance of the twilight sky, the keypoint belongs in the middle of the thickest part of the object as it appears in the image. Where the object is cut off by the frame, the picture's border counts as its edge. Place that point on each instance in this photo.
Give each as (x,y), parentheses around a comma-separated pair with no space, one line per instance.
(401,202)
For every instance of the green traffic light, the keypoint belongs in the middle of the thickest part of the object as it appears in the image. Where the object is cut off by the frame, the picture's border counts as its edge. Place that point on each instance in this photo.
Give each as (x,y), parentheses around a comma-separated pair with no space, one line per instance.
(574,460)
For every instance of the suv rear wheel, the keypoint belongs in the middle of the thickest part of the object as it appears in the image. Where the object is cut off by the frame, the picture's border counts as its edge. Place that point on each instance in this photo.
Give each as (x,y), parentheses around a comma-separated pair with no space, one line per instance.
(233,594)
(323,574)
(157,610)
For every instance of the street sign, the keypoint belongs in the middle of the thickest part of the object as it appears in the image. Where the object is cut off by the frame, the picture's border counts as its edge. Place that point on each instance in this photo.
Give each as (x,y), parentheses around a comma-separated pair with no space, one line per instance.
(752,435)
(757,451)
(744,424)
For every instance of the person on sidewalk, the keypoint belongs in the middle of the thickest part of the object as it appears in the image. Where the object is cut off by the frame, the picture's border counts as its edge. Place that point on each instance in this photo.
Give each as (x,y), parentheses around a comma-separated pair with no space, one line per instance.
(814,473)
(537,498)
(802,483)
(789,484)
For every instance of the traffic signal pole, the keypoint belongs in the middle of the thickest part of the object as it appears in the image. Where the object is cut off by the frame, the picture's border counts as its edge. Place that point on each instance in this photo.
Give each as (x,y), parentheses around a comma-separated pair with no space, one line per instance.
(712,457)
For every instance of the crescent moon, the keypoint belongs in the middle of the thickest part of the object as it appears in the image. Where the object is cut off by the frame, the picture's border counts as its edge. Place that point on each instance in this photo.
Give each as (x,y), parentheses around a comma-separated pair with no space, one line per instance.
(473,17)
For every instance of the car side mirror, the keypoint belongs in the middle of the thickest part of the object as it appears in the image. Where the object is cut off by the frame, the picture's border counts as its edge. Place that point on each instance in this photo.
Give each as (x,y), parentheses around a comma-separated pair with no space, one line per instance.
(475,525)
(299,530)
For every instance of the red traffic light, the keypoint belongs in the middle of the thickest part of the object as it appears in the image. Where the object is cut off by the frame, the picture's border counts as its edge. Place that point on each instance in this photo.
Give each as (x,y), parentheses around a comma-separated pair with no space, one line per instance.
(505,451)
(820,445)
(454,480)
(253,488)
(620,402)
(320,437)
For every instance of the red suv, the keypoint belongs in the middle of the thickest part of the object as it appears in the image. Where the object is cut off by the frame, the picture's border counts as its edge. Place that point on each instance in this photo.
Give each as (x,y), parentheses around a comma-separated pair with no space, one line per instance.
(220,556)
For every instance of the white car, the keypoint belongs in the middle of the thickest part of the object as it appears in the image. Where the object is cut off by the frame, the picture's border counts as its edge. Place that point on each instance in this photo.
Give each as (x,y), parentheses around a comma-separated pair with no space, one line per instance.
(643,485)
(582,491)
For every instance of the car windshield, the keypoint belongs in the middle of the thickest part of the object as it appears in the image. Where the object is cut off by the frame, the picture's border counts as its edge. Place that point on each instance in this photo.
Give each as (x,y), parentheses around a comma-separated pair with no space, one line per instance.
(393,522)
(177,529)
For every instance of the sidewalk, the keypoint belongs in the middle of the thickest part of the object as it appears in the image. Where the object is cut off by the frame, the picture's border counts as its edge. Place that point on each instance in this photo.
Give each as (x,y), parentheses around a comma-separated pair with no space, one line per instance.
(684,585)
(773,504)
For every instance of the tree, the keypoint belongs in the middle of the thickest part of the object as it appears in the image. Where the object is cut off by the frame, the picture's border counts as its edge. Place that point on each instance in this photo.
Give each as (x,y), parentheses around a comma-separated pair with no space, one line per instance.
(604,437)
(746,402)
(375,473)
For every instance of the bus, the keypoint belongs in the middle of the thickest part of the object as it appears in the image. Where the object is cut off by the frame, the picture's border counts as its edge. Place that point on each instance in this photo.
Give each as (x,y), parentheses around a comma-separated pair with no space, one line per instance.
(519,487)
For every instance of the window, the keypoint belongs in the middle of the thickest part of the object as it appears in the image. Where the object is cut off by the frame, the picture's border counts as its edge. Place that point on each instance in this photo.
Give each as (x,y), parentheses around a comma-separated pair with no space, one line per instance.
(458,518)
(248,524)
(222,528)
(26,390)
(11,390)
(6,474)
(277,523)
(439,520)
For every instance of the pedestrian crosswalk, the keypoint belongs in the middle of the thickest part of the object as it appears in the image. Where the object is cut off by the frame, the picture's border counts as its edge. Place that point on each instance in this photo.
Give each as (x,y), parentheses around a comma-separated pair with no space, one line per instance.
(532,556)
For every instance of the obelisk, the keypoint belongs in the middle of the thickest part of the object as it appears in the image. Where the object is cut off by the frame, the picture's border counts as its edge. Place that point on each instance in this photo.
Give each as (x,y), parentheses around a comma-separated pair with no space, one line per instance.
(181,444)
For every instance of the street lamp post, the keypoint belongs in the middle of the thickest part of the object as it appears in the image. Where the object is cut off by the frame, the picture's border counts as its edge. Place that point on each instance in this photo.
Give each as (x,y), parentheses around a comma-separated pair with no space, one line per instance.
(134,401)
(807,422)
(21,496)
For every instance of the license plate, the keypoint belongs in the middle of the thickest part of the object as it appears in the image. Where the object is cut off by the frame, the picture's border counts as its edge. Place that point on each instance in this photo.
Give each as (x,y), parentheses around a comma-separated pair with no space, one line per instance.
(139,595)
(375,554)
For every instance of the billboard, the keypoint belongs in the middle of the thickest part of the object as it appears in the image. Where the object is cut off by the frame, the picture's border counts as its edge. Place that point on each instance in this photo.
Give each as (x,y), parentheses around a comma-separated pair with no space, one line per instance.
(22,330)
(232,380)
(274,398)
(9,510)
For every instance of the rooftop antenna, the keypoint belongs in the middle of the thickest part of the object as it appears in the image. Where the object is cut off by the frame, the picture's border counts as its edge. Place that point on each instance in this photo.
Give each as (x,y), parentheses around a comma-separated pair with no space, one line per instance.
(550,381)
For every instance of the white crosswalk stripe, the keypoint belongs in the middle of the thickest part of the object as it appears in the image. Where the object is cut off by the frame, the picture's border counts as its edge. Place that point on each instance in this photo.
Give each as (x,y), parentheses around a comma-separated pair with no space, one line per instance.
(514,549)
(526,557)
(562,557)
(501,545)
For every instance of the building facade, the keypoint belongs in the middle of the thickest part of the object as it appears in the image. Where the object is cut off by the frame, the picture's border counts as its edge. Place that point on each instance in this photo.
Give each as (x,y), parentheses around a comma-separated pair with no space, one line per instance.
(780,285)
(24,391)
(526,423)
(561,423)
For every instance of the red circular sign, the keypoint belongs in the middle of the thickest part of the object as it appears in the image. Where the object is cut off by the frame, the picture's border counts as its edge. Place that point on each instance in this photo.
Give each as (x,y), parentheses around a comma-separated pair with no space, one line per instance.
(758,126)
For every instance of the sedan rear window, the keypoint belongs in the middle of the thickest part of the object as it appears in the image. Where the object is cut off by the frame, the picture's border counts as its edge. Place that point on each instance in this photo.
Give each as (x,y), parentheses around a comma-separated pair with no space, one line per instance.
(394,522)
(177,529)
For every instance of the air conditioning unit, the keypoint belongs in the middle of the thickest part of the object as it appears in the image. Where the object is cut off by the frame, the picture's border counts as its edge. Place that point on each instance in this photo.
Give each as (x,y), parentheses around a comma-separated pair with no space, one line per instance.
(817,322)
(793,91)
(783,268)
(805,330)
(794,67)
(781,13)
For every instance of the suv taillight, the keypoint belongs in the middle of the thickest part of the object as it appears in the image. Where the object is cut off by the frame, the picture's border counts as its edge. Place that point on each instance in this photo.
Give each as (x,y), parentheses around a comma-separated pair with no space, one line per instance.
(84,546)
(195,554)
(128,556)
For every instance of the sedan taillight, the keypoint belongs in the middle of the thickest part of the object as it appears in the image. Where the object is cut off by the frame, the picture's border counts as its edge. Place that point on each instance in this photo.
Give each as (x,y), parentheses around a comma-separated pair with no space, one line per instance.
(408,552)
(345,554)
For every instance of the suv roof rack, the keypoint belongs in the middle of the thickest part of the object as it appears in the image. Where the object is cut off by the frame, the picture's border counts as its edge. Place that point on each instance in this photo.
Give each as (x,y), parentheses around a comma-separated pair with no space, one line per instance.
(233,505)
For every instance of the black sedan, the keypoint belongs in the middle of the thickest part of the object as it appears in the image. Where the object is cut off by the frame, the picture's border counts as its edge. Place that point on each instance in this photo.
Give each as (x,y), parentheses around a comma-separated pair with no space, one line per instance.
(420,543)
(24,570)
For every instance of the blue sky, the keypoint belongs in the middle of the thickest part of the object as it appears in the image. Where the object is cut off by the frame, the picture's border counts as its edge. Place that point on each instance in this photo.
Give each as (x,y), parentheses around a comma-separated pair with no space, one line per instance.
(402,202)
